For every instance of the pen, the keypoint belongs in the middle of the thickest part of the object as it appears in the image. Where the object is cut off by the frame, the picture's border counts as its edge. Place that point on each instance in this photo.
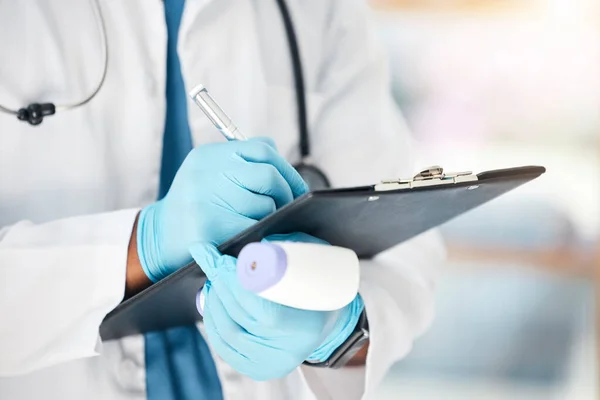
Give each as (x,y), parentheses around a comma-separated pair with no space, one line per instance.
(215,114)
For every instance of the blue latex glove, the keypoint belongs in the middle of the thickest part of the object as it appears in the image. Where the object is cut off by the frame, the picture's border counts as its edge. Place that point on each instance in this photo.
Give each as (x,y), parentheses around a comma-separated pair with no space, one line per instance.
(220,190)
(259,338)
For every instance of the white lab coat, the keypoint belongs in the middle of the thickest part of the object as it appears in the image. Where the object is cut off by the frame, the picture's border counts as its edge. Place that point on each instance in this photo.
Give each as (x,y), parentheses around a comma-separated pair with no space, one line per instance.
(70,188)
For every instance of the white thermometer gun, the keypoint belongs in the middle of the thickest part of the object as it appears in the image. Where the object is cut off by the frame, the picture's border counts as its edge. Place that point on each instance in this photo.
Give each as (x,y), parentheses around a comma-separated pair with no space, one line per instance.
(308,276)
(301,275)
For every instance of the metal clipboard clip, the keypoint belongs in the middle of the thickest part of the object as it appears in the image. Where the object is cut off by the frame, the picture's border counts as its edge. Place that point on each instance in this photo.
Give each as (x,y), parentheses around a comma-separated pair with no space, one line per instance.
(428,177)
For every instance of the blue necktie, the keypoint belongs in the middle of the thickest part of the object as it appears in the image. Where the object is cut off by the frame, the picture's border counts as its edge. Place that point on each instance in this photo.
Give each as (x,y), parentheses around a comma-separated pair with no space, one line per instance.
(178,362)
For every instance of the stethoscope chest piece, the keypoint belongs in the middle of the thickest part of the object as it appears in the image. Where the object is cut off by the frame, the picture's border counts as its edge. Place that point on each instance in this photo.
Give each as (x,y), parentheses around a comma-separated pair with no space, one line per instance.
(313,176)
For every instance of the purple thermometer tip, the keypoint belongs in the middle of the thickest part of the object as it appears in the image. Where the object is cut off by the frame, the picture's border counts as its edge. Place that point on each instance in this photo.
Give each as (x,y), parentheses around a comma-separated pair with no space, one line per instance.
(260,266)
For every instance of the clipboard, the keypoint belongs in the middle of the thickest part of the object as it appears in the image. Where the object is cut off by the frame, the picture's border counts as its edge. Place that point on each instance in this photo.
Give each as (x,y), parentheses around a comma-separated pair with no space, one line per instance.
(367,219)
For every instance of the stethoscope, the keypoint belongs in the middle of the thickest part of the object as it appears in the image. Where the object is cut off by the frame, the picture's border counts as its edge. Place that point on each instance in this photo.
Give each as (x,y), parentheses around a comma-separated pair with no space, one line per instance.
(35,113)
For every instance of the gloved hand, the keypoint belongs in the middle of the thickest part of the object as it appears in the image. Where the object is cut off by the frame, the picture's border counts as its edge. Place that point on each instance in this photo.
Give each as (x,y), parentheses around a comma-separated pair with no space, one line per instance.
(220,190)
(259,338)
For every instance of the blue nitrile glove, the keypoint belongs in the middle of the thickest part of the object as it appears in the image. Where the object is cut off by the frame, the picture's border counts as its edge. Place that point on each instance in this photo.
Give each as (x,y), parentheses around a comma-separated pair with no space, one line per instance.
(257,337)
(220,190)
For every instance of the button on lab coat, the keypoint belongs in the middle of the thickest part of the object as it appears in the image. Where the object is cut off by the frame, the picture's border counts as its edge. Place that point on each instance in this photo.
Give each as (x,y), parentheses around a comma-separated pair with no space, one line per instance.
(70,188)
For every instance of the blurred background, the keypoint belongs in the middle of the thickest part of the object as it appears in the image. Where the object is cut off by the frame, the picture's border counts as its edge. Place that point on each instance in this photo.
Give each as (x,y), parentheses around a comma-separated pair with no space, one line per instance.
(488,84)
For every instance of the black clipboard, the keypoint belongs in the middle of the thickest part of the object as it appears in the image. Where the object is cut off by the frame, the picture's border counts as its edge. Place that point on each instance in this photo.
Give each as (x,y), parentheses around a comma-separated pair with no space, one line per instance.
(368,220)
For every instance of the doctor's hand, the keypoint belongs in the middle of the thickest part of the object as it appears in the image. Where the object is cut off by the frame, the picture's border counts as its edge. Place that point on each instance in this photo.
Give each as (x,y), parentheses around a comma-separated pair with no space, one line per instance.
(259,338)
(220,190)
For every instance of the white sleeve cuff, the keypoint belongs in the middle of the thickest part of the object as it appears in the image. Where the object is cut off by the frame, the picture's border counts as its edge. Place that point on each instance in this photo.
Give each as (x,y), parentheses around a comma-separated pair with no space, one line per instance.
(59,280)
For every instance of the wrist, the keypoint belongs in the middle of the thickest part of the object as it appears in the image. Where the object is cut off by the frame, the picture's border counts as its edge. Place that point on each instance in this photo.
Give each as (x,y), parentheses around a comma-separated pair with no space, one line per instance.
(343,328)
(135,278)
(147,246)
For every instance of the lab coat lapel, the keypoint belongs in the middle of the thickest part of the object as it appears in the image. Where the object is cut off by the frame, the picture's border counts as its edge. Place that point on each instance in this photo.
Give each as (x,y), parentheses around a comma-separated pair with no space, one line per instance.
(236,79)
